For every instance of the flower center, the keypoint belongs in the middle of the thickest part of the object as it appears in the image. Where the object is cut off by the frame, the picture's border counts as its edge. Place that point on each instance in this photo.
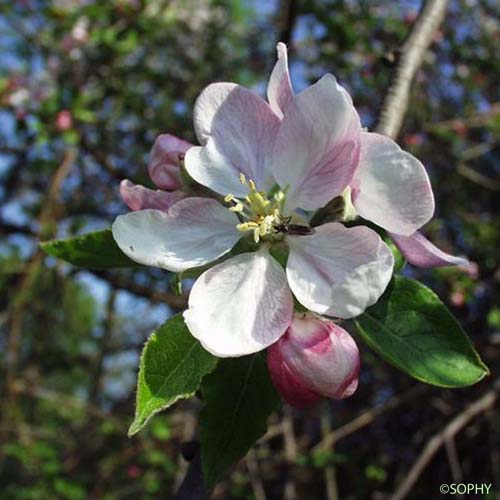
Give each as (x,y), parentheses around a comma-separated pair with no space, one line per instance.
(259,212)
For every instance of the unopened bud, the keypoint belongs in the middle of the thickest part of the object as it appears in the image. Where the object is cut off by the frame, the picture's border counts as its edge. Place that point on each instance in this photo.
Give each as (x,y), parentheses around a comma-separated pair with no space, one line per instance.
(314,359)
(165,159)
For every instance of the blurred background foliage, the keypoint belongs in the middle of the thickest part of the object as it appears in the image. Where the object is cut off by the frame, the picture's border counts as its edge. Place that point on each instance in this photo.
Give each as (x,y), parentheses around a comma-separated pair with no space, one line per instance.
(85,87)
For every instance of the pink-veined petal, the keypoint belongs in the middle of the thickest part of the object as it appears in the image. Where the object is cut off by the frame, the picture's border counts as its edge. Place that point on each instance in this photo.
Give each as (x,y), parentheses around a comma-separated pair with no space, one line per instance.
(240,306)
(194,232)
(279,88)
(166,154)
(391,187)
(237,130)
(317,146)
(139,197)
(420,252)
(314,357)
(209,167)
(339,271)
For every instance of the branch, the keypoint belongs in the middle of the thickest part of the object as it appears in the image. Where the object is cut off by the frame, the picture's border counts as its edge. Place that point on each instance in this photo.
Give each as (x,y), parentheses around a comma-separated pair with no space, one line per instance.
(366,418)
(478,178)
(289,10)
(98,368)
(117,281)
(177,302)
(438,440)
(9,228)
(410,59)
(46,219)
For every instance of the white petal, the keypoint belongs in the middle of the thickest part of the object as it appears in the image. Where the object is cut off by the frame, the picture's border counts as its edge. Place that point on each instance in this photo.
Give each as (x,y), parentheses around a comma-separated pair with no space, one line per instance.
(238,129)
(240,306)
(339,271)
(391,187)
(209,167)
(194,232)
(317,146)
(279,88)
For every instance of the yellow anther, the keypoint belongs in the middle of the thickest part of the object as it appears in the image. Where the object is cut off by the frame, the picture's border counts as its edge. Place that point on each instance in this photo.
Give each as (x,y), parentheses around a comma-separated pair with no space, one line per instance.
(247,226)
(251,184)
(237,208)
(243,179)
(229,198)
(256,235)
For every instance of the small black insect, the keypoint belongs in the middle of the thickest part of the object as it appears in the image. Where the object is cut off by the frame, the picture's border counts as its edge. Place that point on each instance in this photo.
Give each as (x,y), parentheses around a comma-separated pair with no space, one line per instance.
(281,227)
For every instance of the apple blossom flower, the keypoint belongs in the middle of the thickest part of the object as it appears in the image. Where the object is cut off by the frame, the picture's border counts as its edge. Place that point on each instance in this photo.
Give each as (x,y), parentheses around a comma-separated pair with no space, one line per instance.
(166,157)
(268,170)
(390,187)
(313,359)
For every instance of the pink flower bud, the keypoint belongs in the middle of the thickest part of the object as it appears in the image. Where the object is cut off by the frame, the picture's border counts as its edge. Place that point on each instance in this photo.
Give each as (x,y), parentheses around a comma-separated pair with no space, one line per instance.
(64,120)
(140,198)
(166,155)
(314,358)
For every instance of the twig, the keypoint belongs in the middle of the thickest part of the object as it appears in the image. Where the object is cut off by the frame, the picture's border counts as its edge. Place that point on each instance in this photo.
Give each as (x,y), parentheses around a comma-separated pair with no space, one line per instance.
(46,219)
(479,119)
(253,471)
(478,150)
(177,302)
(332,492)
(449,432)
(365,419)
(478,178)
(288,13)
(107,330)
(453,460)
(121,282)
(290,452)
(27,388)
(410,59)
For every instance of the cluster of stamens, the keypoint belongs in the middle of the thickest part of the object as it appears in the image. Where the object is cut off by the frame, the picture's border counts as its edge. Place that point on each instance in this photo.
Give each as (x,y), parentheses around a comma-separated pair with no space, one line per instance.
(258,211)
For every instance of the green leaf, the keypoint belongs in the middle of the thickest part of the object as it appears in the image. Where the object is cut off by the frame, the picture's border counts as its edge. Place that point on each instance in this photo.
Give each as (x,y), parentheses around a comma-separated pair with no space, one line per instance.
(414,331)
(96,250)
(172,365)
(239,398)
